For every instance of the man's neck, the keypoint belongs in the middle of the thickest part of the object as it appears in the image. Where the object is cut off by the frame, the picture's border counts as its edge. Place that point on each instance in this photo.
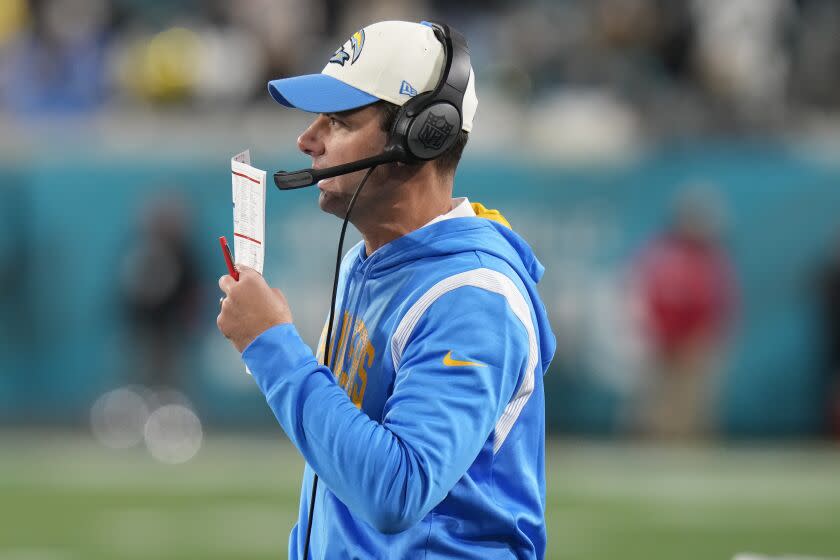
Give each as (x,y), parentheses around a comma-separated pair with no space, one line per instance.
(413,207)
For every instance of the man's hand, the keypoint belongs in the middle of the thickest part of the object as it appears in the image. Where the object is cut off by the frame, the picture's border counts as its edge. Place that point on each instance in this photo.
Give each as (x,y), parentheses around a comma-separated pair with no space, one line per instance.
(250,307)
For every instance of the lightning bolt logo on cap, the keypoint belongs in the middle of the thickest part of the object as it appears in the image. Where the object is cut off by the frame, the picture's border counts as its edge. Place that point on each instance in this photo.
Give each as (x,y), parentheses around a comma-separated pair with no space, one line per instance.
(357,43)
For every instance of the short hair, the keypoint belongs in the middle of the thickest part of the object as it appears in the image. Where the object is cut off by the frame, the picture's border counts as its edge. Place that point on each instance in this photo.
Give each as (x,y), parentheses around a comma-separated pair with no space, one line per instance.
(448,160)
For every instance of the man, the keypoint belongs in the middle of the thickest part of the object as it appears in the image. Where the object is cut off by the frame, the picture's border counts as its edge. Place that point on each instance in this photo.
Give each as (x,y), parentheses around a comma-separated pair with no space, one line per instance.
(688,293)
(428,432)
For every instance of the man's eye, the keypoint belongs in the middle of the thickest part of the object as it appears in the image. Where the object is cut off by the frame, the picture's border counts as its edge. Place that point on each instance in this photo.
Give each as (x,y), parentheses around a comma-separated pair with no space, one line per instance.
(334,121)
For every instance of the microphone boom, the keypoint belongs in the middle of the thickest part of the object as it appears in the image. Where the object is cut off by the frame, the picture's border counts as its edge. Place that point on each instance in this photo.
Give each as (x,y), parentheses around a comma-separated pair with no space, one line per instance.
(288,180)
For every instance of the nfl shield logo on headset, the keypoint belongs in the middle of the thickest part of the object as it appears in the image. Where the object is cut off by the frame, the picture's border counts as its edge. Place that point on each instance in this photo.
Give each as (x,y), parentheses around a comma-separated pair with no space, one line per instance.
(435,131)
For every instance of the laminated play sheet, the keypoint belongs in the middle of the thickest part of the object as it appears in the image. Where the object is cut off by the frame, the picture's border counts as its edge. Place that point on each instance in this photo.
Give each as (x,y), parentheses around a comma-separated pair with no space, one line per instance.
(248,211)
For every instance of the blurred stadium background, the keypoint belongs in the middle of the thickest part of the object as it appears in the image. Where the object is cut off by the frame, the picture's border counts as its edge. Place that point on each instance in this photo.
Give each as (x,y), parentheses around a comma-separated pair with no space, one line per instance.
(675,164)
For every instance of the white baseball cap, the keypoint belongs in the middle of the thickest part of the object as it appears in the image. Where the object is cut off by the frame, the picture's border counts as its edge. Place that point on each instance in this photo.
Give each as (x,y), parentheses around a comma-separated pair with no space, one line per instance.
(389,60)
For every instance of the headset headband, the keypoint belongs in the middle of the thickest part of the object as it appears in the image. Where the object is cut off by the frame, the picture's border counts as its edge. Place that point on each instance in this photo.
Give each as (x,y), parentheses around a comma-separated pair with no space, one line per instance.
(453,81)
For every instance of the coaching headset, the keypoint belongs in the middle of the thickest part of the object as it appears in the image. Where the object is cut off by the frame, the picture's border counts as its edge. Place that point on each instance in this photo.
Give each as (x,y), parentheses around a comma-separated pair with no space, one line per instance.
(425,127)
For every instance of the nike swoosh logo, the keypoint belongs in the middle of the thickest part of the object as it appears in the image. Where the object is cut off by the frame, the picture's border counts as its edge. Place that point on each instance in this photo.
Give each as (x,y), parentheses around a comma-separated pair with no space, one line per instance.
(448,361)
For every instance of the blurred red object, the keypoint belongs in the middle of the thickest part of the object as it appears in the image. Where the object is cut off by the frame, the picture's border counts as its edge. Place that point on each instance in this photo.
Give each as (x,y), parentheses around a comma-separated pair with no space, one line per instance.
(688,291)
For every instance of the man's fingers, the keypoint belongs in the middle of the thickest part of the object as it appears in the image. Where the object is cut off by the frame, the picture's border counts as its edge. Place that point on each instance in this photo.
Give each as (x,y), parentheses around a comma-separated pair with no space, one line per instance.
(226,283)
(222,327)
(247,270)
(244,270)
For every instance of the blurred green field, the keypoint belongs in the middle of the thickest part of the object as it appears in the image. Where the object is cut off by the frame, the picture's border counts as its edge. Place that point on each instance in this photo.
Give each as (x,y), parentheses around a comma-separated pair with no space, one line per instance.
(63,497)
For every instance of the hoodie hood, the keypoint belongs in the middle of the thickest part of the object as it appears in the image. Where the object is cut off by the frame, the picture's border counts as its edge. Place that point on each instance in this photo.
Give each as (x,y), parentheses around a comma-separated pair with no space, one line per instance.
(457,235)
(470,234)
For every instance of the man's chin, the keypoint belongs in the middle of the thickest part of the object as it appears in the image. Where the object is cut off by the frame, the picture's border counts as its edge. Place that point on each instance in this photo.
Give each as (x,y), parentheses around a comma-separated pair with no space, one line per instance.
(331,203)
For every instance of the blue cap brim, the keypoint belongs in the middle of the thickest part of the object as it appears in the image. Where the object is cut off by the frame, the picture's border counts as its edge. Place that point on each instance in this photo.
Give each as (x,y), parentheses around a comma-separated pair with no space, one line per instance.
(318,93)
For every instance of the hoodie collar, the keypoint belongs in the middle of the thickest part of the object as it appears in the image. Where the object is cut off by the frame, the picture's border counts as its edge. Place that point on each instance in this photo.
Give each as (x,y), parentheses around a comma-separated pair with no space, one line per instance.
(461,208)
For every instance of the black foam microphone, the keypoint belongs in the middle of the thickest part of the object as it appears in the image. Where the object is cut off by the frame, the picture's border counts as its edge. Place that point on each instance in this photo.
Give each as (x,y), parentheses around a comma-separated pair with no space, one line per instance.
(287,180)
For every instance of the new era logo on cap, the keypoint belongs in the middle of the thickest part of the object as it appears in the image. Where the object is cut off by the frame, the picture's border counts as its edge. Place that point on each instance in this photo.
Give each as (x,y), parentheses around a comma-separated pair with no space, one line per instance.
(390,60)
(407,89)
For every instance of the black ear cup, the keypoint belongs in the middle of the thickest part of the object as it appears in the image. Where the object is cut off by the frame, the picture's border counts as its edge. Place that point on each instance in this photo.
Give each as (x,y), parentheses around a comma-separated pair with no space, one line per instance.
(433,131)
(424,131)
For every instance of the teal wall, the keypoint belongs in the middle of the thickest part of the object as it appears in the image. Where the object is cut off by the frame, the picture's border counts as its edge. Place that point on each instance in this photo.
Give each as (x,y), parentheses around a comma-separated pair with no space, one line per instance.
(65,223)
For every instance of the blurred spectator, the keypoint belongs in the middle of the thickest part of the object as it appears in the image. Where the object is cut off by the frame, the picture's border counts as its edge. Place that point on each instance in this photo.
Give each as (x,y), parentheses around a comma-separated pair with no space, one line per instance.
(58,64)
(829,389)
(687,291)
(14,15)
(162,68)
(291,32)
(159,287)
(741,56)
(816,51)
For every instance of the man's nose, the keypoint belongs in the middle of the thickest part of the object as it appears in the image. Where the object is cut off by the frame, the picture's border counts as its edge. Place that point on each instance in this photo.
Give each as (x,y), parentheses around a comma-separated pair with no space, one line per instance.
(309,142)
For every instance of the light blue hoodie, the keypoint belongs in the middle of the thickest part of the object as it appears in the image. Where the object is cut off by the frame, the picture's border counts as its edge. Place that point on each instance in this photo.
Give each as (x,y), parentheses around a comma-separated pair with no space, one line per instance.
(428,435)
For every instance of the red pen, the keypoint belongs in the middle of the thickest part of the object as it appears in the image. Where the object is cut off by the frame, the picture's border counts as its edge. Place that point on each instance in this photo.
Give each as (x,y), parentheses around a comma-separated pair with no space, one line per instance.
(228,258)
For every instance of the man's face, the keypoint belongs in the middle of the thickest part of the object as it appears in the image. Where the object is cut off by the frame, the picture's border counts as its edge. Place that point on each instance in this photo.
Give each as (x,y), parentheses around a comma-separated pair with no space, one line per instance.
(336,138)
